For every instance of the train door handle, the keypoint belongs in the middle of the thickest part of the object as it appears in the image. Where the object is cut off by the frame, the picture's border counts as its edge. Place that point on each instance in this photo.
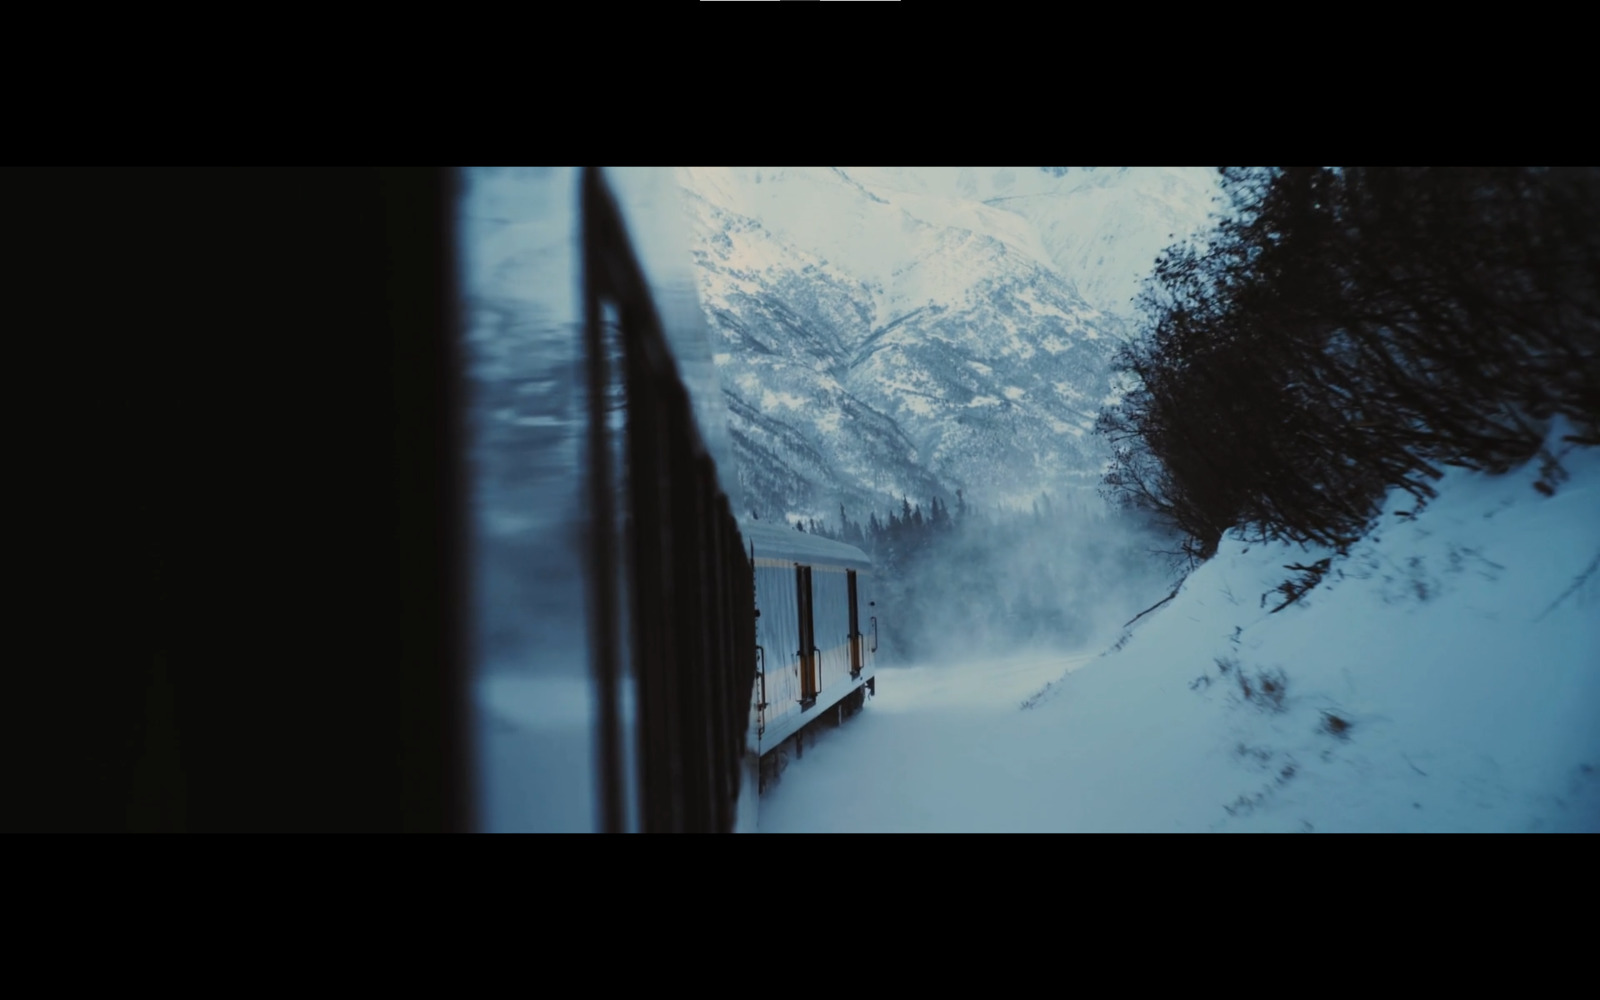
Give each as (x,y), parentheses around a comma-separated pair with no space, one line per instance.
(874,633)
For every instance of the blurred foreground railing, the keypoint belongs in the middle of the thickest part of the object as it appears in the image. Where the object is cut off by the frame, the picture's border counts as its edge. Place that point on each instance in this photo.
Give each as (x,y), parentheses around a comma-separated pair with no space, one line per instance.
(682,605)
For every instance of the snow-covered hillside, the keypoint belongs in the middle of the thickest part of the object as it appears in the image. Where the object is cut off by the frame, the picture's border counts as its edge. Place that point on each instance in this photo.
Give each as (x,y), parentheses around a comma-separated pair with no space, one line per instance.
(886,332)
(1443,676)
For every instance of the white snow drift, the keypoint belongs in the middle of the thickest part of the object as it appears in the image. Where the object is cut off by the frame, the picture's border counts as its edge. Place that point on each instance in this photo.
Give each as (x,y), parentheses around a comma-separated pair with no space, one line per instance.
(1443,676)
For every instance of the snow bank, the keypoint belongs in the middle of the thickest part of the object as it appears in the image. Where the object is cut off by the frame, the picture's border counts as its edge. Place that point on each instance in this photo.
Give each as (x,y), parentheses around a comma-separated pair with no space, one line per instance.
(1443,676)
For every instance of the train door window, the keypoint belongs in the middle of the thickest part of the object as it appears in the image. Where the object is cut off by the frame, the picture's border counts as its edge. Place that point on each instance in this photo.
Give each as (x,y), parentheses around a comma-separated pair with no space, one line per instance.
(855,627)
(808,638)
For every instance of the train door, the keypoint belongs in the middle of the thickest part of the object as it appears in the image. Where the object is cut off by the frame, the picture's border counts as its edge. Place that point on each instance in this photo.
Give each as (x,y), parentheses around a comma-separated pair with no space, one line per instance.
(808,637)
(855,628)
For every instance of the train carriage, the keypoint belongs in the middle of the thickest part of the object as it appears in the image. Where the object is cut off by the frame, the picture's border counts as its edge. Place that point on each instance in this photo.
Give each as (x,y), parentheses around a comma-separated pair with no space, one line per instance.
(817,631)
(646,698)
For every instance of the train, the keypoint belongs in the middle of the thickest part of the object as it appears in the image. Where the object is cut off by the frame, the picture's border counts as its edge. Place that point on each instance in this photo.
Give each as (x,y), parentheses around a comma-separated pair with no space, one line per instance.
(814,608)
(662,695)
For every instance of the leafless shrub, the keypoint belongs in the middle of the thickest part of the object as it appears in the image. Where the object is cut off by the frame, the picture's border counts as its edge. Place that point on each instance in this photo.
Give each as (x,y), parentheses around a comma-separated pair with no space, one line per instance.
(1336,725)
(1267,689)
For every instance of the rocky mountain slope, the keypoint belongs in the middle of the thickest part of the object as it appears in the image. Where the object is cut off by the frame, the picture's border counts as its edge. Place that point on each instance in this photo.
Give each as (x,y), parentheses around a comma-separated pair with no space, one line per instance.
(886,332)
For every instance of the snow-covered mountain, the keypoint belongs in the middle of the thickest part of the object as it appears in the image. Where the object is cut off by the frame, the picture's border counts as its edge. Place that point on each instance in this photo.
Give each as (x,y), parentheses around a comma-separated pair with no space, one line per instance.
(1101,227)
(885,332)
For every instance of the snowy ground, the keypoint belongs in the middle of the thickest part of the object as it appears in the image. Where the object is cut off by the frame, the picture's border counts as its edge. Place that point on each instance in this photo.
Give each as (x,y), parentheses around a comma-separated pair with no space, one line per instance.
(1444,676)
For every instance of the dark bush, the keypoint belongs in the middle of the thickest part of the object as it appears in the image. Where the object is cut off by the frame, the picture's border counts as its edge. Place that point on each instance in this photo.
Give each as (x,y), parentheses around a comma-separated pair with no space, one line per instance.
(1349,331)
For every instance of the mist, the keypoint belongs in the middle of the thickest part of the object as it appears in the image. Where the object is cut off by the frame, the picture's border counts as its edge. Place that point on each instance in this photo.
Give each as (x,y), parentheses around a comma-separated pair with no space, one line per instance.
(967,585)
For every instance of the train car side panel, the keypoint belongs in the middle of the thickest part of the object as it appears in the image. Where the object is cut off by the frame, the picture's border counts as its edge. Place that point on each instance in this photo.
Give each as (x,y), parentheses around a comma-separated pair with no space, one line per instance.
(831,586)
(778,629)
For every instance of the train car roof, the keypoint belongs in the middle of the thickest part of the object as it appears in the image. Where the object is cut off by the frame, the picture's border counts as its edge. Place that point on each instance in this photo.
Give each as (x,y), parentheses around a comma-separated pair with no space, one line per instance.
(774,542)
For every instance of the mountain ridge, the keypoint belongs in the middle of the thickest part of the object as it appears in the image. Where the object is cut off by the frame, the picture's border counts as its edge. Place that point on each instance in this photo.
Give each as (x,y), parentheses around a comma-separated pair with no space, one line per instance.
(834,293)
